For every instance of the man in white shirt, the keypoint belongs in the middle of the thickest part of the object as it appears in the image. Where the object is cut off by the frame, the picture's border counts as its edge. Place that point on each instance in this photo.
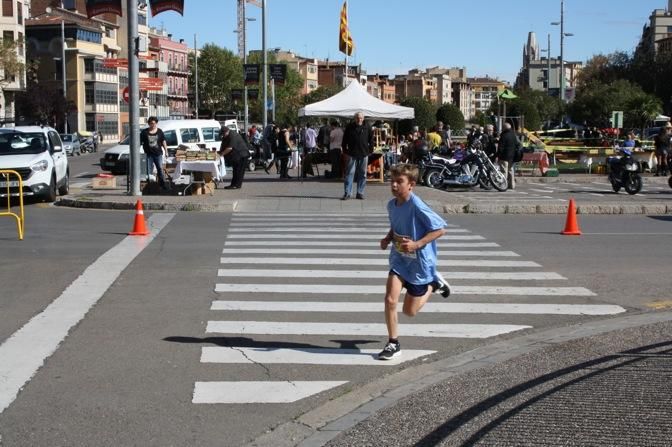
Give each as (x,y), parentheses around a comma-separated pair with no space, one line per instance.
(335,144)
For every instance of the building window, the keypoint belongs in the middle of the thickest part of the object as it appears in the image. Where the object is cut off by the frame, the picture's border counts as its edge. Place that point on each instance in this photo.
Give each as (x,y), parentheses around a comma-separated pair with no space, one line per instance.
(89,36)
(89,93)
(7,8)
(19,13)
(7,37)
(19,44)
(88,65)
(69,4)
(142,20)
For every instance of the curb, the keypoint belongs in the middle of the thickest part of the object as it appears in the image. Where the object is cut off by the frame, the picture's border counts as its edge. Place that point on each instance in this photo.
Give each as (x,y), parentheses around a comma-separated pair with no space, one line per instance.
(318,426)
(225,206)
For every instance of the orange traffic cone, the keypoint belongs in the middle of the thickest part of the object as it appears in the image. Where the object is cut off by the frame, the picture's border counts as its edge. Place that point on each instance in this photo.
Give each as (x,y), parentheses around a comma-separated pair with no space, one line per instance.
(139,228)
(571,226)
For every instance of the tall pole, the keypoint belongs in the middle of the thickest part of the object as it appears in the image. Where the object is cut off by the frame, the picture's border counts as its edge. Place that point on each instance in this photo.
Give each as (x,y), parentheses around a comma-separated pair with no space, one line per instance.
(196,105)
(562,49)
(133,92)
(65,84)
(548,67)
(265,61)
(273,99)
(244,30)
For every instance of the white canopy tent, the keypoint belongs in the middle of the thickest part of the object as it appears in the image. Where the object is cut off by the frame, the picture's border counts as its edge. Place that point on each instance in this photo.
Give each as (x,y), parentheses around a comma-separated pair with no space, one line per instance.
(354,98)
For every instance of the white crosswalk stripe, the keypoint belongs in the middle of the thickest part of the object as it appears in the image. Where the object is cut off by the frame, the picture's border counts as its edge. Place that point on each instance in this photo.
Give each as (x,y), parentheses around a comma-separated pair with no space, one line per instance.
(272,264)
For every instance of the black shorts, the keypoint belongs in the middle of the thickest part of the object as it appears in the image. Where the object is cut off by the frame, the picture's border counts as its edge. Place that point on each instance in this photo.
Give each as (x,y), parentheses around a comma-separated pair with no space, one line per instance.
(412,289)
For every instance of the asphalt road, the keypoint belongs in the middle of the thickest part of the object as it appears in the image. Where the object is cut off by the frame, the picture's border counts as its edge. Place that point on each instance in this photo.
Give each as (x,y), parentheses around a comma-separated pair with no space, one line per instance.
(128,372)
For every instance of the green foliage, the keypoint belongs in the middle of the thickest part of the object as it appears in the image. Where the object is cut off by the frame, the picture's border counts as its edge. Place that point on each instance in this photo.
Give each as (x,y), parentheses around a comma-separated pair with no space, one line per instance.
(321,93)
(451,115)
(425,115)
(9,62)
(526,108)
(219,70)
(548,108)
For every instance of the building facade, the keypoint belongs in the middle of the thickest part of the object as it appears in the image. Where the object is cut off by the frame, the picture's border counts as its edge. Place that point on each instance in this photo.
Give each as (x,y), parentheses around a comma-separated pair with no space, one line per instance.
(169,61)
(12,26)
(658,28)
(484,91)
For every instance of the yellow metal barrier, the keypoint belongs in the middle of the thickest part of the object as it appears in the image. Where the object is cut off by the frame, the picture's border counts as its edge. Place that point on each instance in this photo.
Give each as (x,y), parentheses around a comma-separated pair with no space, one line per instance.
(5,176)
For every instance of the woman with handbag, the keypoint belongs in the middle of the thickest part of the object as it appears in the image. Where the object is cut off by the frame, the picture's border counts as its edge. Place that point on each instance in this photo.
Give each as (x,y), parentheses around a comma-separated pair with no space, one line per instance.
(284,151)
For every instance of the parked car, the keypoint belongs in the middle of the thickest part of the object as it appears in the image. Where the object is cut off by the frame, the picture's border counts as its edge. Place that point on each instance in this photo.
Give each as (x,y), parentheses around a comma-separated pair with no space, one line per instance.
(37,154)
(71,144)
(194,134)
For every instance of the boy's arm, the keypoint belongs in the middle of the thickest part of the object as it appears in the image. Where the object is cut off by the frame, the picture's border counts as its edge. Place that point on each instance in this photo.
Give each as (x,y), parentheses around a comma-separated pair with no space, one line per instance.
(384,242)
(408,245)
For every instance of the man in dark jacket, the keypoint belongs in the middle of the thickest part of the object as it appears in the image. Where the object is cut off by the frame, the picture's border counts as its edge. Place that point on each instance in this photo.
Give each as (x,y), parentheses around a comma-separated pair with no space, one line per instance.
(508,143)
(236,155)
(357,145)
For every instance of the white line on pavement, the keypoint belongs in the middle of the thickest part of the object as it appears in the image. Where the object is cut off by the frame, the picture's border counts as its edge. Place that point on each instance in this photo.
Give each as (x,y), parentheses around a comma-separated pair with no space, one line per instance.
(262,235)
(381,274)
(258,392)
(359,329)
(373,261)
(304,356)
(543,191)
(25,351)
(431,307)
(348,289)
(342,243)
(382,228)
(353,251)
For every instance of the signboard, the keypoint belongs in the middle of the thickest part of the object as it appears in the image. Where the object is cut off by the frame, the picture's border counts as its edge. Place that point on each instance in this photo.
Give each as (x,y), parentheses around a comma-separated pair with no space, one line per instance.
(251,74)
(124,94)
(158,6)
(154,84)
(278,72)
(617,119)
(115,63)
(97,7)
(236,94)
(253,93)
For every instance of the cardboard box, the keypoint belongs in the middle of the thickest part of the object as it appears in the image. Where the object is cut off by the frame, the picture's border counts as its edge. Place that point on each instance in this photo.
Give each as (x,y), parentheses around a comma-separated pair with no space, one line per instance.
(104,182)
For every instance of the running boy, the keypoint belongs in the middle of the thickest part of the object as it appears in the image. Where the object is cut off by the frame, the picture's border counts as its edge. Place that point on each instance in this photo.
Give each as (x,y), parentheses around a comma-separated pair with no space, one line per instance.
(414,228)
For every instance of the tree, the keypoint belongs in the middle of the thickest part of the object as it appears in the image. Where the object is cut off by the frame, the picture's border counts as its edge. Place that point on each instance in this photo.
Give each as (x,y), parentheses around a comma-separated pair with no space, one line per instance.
(219,70)
(548,108)
(526,108)
(10,65)
(425,115)
(321,93)
(451,115)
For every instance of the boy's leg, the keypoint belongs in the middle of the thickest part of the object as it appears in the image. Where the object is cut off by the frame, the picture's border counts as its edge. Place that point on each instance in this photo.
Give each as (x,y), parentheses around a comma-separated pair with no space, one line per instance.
(392,292)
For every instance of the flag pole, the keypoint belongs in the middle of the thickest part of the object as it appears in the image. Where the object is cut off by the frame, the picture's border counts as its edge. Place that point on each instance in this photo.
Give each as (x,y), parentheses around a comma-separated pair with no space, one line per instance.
(345,72)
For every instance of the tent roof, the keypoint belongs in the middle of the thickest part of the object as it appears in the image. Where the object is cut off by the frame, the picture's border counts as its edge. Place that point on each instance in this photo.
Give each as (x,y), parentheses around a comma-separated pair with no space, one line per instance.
(354,98)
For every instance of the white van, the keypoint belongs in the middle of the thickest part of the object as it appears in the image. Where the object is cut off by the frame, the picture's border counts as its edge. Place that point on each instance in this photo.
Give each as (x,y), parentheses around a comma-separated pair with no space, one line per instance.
(194,134)
(37,154)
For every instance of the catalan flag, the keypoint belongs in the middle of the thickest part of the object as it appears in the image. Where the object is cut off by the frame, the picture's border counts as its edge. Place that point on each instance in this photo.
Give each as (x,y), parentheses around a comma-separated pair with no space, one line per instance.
(345,43)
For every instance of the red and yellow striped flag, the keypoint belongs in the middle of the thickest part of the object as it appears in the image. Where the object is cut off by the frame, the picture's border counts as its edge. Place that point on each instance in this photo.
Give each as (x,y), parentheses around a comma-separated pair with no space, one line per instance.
(345,43)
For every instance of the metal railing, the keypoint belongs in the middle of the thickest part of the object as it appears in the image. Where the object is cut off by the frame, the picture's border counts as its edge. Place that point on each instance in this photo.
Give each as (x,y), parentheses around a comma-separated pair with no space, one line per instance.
(5,177)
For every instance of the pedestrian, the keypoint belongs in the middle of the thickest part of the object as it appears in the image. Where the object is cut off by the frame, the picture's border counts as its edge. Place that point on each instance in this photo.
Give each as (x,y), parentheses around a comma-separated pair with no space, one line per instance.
(662,146)
(630,140)
(335,145)
(357,145)
(266,141)
(273,144)
(153,143)
(508,144)
(284,151)
(236,154)
(310,140)
(489,140)
(414,228)
(323,136)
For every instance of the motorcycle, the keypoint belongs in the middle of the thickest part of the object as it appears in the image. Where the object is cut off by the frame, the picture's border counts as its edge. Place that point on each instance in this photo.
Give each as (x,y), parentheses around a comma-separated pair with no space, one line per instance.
(86,145)
(624,173)
(468,168)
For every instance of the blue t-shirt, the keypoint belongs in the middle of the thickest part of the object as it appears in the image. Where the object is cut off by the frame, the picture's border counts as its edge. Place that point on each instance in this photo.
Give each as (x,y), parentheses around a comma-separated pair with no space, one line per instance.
(413,219)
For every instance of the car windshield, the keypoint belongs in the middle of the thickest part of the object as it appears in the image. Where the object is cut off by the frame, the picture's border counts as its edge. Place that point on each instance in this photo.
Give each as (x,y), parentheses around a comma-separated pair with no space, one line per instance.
(67,138)
(126,140)
(12,143)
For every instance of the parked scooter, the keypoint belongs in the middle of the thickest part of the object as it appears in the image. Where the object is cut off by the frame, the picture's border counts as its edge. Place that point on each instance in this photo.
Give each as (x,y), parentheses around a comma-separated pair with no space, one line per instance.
(624,172)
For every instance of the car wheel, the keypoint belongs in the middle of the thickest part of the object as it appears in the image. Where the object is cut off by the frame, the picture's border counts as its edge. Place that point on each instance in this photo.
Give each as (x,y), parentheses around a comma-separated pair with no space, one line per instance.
(65,187)
(251,166)
(50,195)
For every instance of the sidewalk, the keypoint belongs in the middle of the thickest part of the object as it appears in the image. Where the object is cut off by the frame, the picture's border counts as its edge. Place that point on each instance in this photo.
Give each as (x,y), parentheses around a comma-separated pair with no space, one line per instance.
(604,383)
(262,192)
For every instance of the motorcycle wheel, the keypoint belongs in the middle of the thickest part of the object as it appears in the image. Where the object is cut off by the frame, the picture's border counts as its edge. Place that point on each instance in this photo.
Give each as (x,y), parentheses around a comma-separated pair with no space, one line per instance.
(499,180)
(615,185)
(433,179)
(484,182)
(634,184)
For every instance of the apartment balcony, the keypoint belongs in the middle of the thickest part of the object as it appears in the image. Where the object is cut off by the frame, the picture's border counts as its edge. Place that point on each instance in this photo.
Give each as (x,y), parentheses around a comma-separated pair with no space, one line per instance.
(178,69)
(177,93)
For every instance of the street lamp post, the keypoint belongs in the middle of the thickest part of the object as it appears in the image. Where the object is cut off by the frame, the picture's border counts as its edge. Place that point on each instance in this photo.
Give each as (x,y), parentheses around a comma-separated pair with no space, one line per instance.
(563,34)
(265,62)
(244,56)
(48,10)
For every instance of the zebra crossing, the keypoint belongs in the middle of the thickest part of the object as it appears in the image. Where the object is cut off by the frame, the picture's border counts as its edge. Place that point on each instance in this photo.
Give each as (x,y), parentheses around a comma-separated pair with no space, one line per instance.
(304,276)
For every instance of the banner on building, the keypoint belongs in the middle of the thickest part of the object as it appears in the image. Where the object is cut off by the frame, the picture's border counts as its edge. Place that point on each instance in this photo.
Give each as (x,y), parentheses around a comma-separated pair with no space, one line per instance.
(159,6)
(278,72)
(97,7)
(251,74)
(236,94)
(252,93)
(345,42)
(151,84)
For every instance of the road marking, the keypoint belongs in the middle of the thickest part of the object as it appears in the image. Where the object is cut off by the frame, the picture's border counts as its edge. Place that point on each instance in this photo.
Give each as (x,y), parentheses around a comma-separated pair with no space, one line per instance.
(544,191)
(373,261)
(25,351)
(458,308)
(629,234)
(262,235)
(354,251)
(349,289)
(596,194)
(258,392)
(257,243)
(299,215)
(79,185)
(382,228)
(360,329)
(659,304)
(380,274)
(82,174)
(304,356)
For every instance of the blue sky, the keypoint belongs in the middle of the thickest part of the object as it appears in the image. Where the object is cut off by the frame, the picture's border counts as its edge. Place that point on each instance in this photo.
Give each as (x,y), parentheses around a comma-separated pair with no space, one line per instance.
(393,36)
